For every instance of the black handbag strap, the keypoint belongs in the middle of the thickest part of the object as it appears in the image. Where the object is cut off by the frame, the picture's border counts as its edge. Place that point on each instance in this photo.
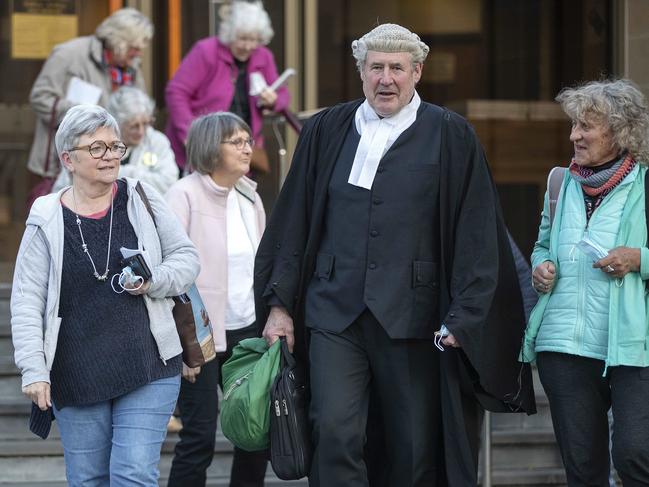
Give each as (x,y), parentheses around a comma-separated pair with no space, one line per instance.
(286,357)
(145,199)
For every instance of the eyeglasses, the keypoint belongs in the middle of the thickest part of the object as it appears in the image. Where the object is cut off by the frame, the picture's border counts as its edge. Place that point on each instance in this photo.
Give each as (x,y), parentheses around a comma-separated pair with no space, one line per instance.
(240,143)
(99,148)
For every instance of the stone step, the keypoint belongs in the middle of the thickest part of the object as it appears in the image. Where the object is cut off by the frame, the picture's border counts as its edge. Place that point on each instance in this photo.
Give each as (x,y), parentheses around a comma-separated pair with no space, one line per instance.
(516,421)
(7,366)
(17,441)
(50,471)
(541,477)
(10,390)
(525,449)
(210,482)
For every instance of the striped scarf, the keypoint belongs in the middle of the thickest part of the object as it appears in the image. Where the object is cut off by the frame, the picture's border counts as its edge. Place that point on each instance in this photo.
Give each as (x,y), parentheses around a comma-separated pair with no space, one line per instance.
(119,76)
(599,184)
(596,185)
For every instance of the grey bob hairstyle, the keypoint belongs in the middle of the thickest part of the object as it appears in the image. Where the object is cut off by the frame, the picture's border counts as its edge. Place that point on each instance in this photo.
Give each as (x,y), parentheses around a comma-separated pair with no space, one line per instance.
(205,137)
(82,120)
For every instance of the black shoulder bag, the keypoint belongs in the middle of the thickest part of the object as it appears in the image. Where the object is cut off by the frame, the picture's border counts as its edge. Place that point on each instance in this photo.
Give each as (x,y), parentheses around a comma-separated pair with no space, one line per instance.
(290,434)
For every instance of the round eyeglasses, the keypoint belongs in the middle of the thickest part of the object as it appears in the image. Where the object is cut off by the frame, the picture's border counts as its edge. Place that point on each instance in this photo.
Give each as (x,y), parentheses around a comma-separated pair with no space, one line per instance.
(240,143)
(98,149)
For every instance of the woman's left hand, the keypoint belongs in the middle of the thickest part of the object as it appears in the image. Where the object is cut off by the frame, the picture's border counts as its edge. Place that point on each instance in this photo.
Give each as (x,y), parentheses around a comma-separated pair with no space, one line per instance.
(267,98)
(619,262)
(141,290)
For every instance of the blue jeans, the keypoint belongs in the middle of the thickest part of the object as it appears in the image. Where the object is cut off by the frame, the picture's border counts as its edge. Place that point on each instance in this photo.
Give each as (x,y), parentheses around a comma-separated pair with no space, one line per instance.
(117,443)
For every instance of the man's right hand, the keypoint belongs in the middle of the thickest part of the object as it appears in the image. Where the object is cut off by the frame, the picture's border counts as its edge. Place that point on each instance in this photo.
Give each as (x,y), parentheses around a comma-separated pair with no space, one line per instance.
(279,323)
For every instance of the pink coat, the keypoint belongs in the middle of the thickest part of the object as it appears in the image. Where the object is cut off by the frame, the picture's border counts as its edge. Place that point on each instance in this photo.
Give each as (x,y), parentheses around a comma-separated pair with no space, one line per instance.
(204,83)
(201,207)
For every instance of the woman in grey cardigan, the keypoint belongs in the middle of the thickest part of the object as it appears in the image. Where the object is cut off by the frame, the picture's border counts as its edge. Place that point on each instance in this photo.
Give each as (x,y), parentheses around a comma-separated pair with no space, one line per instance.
(95,344)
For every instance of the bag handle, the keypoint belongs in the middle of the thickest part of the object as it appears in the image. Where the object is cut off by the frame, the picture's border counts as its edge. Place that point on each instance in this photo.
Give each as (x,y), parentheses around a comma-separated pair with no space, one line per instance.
(50,135)
(555,181)
(286,357)
(646,213)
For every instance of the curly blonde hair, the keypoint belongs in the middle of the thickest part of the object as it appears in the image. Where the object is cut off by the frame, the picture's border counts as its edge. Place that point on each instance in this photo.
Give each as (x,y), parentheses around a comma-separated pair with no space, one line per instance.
(617,103)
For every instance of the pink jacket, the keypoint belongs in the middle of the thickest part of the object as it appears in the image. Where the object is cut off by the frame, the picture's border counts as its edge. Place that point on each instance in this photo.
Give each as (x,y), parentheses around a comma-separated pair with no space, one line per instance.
(204,83)
(201,208)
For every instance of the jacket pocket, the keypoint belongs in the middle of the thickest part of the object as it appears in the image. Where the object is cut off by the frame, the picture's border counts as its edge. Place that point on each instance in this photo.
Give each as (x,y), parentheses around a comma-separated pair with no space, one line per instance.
(425,296)
(424,274)
(324,266)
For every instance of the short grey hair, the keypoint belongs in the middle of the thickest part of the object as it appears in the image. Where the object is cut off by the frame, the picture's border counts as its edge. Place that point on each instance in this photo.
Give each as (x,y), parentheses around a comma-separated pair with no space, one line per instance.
(82,120)
(617,103)
(246,18)
(389,38)
(125,28)
(205,137)
(128,102)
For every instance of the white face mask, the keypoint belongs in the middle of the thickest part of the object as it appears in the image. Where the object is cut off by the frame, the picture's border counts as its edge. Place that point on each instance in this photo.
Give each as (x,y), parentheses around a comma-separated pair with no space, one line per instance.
(127,281)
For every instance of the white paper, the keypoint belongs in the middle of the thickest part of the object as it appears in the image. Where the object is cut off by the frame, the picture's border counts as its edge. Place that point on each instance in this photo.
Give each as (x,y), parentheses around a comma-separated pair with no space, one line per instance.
(282,78)
(592,249)
(80,91)
(257,83)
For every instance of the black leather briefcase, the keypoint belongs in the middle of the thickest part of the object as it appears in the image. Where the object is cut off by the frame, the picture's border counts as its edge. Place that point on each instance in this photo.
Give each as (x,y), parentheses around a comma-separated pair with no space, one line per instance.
(290,433)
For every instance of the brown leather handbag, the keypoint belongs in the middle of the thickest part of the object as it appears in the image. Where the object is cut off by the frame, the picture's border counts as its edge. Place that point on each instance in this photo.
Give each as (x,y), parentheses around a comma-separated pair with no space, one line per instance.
(192,321)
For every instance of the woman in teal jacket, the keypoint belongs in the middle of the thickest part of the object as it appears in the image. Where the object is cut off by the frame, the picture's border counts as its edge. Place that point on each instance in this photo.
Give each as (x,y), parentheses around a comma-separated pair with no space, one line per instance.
(589,330)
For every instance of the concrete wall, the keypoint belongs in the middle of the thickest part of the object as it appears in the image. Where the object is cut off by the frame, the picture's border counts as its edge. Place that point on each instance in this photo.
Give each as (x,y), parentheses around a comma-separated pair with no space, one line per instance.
(634,41)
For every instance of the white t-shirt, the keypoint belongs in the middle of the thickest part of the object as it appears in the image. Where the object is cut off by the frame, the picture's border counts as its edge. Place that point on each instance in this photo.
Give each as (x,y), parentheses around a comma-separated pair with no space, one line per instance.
(240,309)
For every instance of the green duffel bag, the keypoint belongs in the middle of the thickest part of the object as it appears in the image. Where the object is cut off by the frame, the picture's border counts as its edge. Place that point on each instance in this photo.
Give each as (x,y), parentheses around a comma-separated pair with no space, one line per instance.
(247,378)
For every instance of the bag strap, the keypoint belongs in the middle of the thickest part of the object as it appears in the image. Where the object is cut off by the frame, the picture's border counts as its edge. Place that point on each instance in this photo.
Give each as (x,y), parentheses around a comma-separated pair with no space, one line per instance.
(555,181)
(646,213)
(286,358)
(50,135)
(145,199)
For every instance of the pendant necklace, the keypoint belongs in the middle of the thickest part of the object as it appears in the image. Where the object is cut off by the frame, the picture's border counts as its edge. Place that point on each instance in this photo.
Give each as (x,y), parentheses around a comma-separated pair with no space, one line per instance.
(84,246)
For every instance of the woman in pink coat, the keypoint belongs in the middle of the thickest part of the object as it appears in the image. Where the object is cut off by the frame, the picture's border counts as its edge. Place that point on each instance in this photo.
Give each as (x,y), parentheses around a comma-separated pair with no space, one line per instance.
(215,76)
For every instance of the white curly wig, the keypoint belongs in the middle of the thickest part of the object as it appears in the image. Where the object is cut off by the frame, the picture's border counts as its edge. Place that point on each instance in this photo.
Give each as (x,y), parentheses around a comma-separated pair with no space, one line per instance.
(389,38)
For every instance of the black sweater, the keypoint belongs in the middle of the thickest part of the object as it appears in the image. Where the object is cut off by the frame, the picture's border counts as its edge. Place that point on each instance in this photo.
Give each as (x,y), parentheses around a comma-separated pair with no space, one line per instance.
(105,348)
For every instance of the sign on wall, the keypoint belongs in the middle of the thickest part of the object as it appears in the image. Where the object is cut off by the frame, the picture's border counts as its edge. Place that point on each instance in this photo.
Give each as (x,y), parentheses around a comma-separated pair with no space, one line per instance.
(38,25)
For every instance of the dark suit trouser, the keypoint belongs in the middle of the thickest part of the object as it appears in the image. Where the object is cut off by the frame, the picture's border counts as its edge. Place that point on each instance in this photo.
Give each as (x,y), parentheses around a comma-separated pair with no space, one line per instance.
(198,404)
(404,377)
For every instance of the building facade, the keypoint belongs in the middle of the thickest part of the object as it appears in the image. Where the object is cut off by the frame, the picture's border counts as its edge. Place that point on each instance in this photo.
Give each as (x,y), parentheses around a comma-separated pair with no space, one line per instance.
(500,63)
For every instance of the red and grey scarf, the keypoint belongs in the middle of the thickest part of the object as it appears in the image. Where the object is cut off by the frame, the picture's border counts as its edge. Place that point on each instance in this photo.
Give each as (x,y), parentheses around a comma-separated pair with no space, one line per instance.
(119,76)
(596,185)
